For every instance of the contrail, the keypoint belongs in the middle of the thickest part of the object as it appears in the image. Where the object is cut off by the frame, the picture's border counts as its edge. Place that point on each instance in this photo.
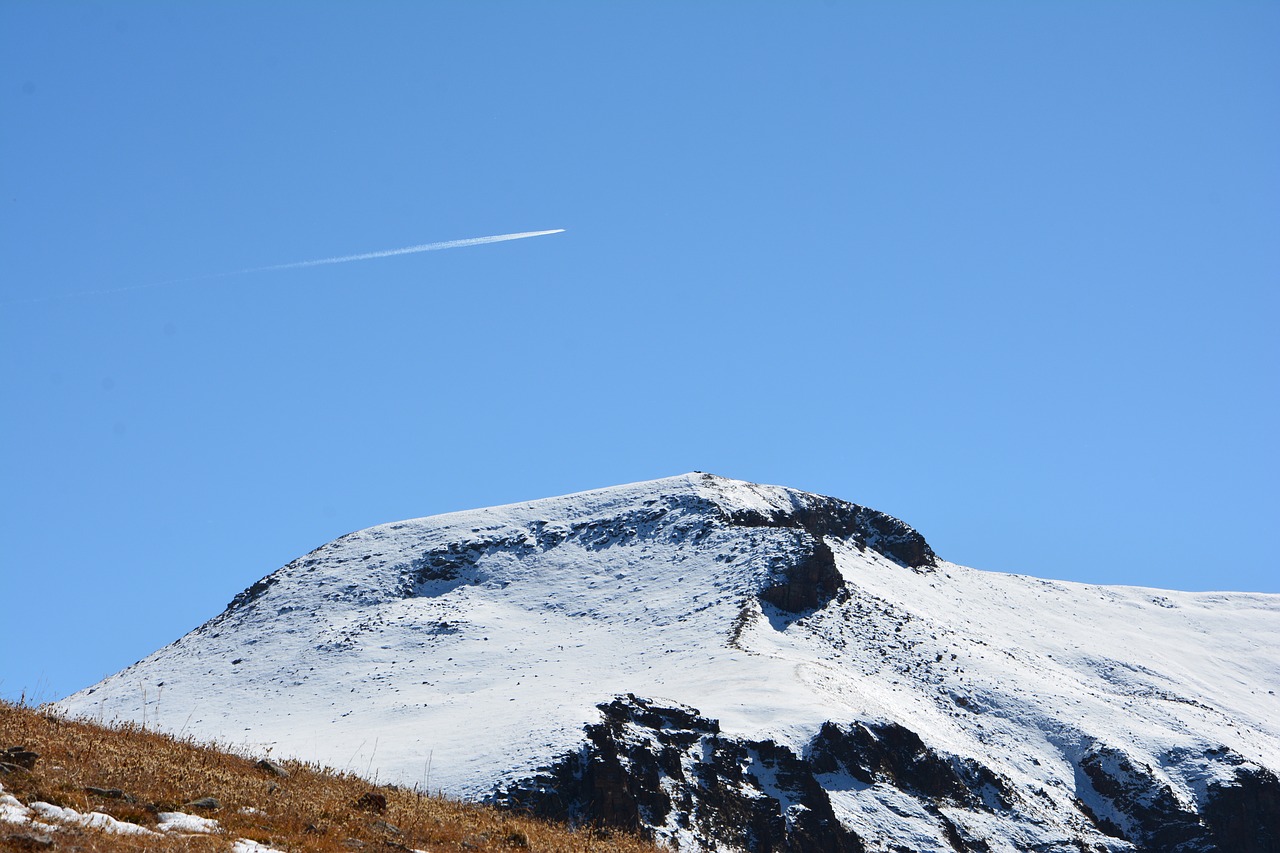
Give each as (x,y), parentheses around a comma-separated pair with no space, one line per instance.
(343,259)
(407,250)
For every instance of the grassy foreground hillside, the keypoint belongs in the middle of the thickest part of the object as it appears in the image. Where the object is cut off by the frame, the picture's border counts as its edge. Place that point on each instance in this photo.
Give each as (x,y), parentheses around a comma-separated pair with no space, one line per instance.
(143,778)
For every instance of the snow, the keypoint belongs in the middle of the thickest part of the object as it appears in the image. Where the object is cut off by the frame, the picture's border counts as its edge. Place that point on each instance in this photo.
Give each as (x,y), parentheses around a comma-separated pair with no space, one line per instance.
(881,808)
(182,822)
(566,602)
(12,811)
(91,820)
(46,817)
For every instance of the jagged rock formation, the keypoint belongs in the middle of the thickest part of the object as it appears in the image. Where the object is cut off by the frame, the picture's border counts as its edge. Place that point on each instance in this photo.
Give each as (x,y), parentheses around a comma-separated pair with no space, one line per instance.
(672,773)
(856,692)
(667,769)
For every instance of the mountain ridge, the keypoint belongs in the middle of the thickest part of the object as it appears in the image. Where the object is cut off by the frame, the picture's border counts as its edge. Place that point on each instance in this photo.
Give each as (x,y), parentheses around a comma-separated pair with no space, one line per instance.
(819,636)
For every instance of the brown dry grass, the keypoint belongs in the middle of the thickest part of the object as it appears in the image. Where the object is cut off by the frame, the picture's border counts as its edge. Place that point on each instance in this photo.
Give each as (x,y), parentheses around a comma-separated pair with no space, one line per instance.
(313,809)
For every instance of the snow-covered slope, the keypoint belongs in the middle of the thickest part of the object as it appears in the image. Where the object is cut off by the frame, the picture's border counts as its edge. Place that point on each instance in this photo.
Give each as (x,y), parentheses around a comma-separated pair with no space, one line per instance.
(738,665)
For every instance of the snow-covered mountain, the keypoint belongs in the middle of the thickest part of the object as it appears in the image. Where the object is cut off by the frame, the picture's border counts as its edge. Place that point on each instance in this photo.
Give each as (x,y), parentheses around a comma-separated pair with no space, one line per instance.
(730,665)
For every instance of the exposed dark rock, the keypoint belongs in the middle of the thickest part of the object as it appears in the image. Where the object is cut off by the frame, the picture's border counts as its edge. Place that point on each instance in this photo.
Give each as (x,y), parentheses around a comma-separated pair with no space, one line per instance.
(371,801)
(252,593)
(648,765)
(663,769)
(207,804)
(20,756)
(440,570)
(1245,817)
(1152,817)
(110,794)
(632,709)
(810,582)
(389,828)
(889,752)
(868,528)
(961,841)
(1104,825)
(814,825)
(269,766)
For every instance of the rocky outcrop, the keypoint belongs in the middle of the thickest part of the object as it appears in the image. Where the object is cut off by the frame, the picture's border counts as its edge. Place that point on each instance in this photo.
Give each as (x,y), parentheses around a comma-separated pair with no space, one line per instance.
(889,753)
(666,771)
(17,758)
(802,577)
(1131,802)
(1137,806)
(807,580)
(272,768)
(253,593)
(797,572)
(670,773)
(1244,816)
(867,528)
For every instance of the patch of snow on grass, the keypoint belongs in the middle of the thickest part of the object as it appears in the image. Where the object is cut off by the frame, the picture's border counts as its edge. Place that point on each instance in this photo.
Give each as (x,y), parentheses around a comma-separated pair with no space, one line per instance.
(181,822)
(13,811)
(92,820)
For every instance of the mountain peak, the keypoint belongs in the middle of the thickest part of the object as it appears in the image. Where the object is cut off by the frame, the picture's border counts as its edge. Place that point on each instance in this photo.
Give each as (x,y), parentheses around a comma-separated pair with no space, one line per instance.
(726,663)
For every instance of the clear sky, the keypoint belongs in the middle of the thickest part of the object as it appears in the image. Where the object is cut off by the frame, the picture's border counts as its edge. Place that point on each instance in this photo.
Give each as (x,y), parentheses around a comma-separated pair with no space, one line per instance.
(1007,271)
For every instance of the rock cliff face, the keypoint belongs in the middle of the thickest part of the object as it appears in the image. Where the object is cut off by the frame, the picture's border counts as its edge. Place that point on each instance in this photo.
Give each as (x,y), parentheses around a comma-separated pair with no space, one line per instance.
(821,516)
(1244,814)
(1239,814)
(725,665)
(673,775)
(667,771)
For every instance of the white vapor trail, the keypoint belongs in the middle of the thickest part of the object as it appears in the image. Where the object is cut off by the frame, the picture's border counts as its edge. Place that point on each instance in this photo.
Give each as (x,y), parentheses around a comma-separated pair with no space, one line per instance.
(343,259)
(407,250)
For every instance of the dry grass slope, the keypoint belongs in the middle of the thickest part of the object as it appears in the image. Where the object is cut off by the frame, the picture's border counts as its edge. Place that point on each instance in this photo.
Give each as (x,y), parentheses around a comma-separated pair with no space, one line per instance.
(312,809)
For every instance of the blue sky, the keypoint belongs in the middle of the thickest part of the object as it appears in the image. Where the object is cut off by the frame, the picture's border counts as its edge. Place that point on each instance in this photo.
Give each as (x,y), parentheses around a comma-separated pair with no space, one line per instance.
(1005,270)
